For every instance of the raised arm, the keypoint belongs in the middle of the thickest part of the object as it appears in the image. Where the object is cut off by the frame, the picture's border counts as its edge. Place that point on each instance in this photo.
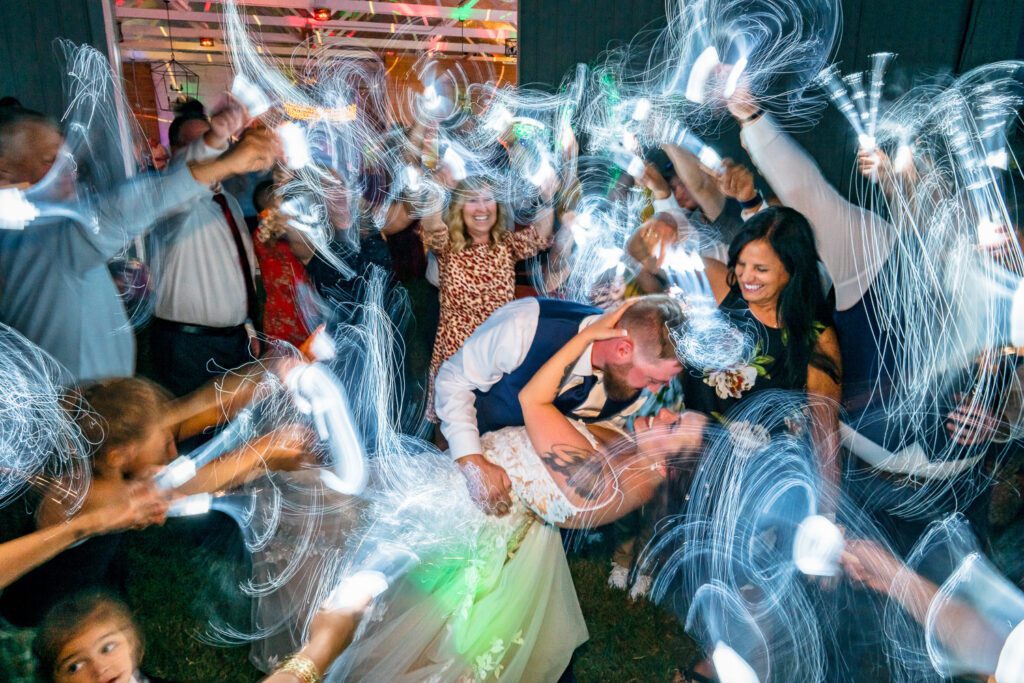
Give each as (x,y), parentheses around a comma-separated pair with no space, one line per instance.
(717,274)
(852,241)
(130,209)
(701,186)
(548,429)
(284,449)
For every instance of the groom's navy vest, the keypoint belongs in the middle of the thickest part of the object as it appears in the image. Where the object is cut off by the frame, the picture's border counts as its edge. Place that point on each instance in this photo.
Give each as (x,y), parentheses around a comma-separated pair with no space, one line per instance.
(559,322)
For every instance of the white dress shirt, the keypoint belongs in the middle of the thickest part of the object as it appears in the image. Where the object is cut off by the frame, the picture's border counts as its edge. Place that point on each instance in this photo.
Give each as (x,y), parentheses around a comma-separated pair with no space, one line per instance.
(200,281)
(495,349)
(853,242)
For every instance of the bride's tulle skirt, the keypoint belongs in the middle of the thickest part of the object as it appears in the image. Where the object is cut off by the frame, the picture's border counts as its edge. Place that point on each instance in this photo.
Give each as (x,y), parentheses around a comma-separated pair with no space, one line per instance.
(506,614)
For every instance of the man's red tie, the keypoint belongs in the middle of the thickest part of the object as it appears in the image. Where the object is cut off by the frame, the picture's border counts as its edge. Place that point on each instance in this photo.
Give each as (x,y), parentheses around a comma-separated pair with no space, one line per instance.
(243,258)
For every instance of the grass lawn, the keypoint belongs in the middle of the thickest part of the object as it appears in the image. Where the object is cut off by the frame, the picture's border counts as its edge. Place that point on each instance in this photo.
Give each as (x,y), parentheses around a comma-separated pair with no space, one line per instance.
(170,588)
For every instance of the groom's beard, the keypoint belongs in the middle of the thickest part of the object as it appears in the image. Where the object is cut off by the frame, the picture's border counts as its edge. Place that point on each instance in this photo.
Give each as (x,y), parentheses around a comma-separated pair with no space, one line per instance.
(615,386)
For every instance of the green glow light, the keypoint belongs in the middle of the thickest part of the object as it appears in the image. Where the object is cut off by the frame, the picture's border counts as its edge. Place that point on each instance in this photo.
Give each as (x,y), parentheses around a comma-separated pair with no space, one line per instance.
(462,13)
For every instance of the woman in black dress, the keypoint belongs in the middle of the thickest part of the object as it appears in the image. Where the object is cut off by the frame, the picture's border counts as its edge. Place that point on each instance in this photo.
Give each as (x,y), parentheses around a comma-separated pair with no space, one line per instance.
(771,290)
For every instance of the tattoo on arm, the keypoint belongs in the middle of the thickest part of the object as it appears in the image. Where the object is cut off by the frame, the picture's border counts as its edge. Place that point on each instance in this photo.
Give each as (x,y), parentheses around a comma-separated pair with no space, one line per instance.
(584,471)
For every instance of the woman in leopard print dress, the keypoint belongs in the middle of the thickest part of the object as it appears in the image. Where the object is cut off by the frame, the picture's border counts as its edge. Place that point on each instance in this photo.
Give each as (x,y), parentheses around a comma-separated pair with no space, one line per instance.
(476,251)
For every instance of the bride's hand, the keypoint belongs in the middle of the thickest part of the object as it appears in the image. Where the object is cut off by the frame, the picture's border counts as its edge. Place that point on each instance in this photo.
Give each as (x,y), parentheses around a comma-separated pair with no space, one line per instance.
(605,326)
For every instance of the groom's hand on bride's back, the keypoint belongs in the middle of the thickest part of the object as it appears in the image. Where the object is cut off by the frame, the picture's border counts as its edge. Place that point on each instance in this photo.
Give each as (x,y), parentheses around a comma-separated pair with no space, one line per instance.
(489,485)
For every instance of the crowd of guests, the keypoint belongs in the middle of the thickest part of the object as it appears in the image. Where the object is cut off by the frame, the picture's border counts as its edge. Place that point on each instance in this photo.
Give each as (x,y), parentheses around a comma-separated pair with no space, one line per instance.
(229,285)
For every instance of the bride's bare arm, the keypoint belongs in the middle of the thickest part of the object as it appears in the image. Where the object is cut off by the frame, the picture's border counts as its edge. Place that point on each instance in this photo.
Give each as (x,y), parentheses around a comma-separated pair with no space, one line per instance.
(632,468)
(549,430)
(618,485)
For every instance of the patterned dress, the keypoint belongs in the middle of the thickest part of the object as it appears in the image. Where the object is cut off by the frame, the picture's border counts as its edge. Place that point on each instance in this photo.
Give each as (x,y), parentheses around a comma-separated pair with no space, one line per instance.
(474,283)
(283,275)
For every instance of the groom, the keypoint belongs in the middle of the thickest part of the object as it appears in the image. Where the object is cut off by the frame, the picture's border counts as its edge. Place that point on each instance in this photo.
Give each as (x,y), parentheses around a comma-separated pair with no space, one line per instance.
(477,389)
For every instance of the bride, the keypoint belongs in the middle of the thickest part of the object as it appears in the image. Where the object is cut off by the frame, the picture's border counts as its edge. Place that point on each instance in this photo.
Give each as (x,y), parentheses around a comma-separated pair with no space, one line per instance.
(499,602)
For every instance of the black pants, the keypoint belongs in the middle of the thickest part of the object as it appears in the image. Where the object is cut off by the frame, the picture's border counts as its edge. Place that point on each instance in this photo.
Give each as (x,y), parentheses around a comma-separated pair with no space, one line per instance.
(183,358)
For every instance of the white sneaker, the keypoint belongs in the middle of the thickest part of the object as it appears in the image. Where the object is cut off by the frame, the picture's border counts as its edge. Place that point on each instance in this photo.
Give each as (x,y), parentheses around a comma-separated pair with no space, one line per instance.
(640,588)
(619,577)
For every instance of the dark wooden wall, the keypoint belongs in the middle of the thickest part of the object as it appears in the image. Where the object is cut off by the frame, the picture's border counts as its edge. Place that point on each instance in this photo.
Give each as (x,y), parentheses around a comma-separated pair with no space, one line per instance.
(28,28)
(930,36)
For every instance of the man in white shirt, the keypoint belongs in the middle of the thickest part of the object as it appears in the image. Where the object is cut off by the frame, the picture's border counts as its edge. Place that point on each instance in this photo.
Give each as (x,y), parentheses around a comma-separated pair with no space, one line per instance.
(477,389)
(206,302)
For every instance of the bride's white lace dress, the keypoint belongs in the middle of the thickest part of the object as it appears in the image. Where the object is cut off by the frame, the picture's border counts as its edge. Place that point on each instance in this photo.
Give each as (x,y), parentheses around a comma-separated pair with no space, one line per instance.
(503,608)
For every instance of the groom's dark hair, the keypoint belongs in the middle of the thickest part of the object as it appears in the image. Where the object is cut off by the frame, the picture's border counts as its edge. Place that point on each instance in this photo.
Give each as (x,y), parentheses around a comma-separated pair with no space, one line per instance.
(650,321)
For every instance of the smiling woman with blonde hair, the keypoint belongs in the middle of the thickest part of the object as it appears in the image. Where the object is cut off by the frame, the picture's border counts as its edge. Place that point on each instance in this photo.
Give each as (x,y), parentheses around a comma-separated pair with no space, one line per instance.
(477,250)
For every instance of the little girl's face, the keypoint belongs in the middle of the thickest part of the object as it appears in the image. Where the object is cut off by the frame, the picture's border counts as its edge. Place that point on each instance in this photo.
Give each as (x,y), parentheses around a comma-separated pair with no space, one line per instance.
(103,652)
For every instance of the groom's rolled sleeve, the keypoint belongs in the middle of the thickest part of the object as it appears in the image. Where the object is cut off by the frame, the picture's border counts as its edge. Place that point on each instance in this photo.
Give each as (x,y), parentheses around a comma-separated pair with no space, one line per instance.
(496,348)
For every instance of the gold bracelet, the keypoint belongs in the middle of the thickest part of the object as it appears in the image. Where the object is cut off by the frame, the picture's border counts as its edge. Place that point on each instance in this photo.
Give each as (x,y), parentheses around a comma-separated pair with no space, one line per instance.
(302,667)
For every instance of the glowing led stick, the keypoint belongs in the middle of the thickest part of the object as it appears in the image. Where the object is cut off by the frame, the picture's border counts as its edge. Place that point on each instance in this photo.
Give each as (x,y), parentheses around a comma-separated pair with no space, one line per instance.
(499,119)
(641,109)
(190,506)
(16,211)
(733,81)
(543,173)
(455,164)
(250,95)
(682,136)
(855,86)
(584,228)
(296,147)
(700,72)
(628,161)
(322,347)
(817,546)
(879,63)
(1010,665)
(685,269)
(431,100)
(730,667)
(317,394)
(974,623)
(904,159)
(183,469)
(385,565)
(840,96)
(413,178)
(256,514)
(977,142)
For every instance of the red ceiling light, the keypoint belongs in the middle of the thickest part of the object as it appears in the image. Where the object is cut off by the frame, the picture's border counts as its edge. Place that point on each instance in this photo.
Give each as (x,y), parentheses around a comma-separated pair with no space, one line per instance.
(321,13)
(206,42)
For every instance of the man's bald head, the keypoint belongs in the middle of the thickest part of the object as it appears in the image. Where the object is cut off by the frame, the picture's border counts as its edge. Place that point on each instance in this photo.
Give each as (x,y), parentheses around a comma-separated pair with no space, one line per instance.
(29,144)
